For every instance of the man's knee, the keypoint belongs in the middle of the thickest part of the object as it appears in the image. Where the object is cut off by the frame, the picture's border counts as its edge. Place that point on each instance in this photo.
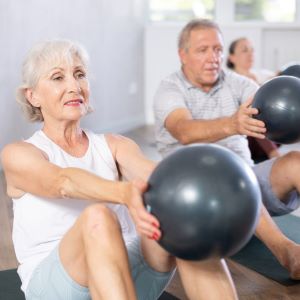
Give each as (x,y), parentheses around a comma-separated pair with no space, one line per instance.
(292,157)
(287,163)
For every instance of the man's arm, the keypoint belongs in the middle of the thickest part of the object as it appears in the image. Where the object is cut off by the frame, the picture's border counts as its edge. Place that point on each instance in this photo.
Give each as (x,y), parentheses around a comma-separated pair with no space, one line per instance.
(188,130)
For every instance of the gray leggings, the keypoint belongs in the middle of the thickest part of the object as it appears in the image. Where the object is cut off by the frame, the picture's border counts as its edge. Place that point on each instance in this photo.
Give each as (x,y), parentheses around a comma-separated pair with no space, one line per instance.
(50,280)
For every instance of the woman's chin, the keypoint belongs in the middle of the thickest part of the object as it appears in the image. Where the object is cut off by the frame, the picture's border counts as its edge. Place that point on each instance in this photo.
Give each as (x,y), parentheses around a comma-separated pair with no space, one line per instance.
(76,116)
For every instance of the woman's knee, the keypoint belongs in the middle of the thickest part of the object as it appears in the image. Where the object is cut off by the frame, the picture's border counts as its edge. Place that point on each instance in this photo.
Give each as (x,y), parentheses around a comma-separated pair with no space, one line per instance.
(99,218)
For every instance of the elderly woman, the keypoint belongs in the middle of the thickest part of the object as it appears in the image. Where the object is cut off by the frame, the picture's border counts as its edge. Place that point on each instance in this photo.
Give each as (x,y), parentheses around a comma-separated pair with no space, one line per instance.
(75,222)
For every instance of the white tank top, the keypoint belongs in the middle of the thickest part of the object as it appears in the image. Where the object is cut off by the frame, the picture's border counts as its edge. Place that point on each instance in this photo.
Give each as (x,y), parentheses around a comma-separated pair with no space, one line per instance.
(40,223)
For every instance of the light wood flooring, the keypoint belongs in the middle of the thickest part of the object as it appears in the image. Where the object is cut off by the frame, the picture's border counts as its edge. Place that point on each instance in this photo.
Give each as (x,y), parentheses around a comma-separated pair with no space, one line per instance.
(250,285)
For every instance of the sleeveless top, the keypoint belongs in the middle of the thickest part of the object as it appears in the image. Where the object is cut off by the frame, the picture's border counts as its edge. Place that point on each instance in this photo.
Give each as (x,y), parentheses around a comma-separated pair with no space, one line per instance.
(40,223)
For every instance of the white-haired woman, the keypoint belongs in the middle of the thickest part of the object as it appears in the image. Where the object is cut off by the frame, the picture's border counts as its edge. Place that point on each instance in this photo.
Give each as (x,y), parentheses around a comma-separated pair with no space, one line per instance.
(74,221)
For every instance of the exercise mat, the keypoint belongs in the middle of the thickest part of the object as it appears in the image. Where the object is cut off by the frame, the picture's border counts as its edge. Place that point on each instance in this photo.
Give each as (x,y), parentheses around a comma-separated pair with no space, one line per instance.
(10,287)
(256,256)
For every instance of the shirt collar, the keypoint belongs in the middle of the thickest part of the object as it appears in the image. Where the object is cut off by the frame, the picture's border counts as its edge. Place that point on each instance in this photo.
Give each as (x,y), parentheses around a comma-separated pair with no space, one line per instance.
(216,87)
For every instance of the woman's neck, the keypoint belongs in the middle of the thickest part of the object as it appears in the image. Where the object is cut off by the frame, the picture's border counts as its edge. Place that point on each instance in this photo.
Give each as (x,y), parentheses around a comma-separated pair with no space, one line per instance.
(242,71)
(245,72)
(71,138)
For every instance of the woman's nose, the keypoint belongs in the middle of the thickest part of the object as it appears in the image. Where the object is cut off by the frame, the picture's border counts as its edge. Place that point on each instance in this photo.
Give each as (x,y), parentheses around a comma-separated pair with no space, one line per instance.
(73,85)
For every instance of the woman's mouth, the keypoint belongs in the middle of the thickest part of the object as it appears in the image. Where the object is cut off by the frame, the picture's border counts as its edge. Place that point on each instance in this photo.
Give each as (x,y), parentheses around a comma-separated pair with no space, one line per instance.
(74,102)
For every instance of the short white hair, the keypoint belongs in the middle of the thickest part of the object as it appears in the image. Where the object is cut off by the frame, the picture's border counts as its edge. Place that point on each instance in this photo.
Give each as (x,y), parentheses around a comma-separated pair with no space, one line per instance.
(42,56)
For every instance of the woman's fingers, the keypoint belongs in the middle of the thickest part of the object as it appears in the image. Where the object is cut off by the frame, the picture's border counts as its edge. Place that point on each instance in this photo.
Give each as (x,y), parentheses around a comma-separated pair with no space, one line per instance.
(148,230)
(146,223)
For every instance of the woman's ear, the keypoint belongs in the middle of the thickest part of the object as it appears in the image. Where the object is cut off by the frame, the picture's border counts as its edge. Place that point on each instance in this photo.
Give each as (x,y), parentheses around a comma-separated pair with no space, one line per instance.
(29,94)
(230,58)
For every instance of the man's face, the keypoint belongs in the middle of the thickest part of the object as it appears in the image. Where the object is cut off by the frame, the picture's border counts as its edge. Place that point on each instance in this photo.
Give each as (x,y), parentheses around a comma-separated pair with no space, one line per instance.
(203,58)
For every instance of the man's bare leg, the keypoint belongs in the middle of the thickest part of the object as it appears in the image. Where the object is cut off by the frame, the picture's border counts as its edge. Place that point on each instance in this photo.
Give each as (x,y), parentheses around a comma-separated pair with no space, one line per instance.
(284,177)
(207,280)
(285,250)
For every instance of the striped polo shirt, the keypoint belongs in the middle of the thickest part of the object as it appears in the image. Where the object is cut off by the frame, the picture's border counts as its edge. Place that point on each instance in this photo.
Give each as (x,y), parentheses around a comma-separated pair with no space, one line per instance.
(222,100)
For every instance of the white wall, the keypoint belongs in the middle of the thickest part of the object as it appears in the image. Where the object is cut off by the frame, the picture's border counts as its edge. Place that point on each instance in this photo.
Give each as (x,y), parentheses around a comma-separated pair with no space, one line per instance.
(112,32)
(128,60)
(160,60)
(274,46)
(280,46)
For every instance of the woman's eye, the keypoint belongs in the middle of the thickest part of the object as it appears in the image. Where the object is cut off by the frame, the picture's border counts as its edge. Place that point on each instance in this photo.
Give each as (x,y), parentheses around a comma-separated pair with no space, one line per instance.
(58,78)
(80,75)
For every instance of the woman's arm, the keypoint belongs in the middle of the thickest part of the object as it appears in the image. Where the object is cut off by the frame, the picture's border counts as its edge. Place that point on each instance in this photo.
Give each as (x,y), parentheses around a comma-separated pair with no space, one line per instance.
(134,166)
(28,170)
(131,161)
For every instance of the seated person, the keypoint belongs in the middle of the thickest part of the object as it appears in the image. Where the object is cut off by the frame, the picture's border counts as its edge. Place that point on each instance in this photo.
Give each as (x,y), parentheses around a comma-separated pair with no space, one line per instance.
(79,231)
(201,103)
(240,60)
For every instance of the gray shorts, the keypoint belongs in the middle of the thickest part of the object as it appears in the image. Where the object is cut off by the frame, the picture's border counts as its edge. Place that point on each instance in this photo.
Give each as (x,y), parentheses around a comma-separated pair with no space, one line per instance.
(50,280)
(271,202)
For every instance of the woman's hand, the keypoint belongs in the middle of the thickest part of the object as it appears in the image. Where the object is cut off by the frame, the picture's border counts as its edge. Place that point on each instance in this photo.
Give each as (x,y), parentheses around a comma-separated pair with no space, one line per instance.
(146,224)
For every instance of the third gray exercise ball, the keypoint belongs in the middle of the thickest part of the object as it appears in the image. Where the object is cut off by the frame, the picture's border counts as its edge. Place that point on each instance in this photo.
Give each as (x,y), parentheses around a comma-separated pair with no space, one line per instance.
(278,103)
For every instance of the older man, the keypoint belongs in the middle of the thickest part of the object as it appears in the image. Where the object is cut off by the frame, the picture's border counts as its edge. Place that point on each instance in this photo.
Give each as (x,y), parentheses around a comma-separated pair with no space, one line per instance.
(201,103)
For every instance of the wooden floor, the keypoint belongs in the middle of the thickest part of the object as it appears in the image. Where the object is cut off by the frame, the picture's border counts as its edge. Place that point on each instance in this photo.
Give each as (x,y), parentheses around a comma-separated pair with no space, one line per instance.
(250,285)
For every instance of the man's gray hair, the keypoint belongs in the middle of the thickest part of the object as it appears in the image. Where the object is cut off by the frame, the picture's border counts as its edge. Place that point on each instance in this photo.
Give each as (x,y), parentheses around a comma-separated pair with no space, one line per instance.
(196,24)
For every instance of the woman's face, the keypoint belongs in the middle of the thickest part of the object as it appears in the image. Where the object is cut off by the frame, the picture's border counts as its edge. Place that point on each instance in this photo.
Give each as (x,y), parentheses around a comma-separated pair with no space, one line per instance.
(243,56)
(62,92)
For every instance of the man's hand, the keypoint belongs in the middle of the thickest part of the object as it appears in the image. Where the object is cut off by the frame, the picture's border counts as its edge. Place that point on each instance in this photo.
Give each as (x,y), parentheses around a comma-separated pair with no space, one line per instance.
(244,124)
